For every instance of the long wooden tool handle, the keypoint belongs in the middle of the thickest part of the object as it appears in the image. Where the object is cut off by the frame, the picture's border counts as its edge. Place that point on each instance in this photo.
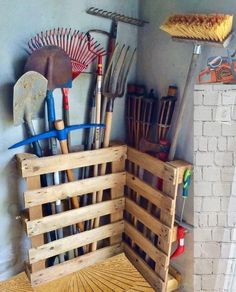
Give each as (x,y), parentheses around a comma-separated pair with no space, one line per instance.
(106,142)
(59,125)
(184,100)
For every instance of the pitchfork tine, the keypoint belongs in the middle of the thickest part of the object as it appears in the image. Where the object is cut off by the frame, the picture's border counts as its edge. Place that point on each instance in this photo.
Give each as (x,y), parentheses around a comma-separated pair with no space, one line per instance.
(121,73)
(115,69)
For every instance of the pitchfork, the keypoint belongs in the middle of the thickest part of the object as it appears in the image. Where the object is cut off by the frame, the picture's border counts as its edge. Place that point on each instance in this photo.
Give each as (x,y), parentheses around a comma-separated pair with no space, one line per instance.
(113,87)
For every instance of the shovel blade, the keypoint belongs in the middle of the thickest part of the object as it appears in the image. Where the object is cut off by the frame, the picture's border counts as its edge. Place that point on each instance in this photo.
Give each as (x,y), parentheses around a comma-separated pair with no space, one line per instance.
(28,97)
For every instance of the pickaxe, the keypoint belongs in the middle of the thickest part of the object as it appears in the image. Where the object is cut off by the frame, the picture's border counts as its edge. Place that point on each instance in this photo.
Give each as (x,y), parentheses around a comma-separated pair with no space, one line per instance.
(61,133)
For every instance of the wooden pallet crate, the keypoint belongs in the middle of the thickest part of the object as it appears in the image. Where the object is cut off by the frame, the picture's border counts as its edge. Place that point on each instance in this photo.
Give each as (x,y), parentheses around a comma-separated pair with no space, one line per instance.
(146,239)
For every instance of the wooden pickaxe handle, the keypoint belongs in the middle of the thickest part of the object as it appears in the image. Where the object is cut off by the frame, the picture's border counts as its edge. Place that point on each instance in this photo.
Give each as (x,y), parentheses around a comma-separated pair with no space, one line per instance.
(59,125)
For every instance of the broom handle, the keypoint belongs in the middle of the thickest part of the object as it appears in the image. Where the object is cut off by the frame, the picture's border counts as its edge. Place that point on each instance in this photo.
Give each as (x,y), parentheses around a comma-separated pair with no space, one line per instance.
(184,100)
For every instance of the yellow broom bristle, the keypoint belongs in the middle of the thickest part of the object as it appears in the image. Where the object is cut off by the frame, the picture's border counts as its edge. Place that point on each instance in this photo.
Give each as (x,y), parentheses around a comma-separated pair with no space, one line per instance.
(208,27)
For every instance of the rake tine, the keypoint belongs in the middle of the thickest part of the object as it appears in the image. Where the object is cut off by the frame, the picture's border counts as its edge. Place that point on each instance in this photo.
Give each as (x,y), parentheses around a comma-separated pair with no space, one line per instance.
(73,47)
(80,40)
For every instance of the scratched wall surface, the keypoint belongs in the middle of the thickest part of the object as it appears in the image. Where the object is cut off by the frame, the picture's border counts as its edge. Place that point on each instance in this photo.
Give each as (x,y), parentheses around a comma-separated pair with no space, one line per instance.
(20,21)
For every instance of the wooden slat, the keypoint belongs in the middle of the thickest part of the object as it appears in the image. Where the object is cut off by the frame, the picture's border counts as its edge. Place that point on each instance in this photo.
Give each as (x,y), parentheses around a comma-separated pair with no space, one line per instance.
(181,165)
(154,196)
(146,245)
(166,218)
(35,213)
(153,165)
(156,282)
(77,188)
(38,166)
(117,166)
(160,229)
(71,217)
(76,264)
(74,241)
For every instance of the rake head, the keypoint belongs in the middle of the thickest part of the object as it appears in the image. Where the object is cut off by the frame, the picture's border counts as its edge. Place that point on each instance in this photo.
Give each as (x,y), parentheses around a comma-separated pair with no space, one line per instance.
(73,42)
(117,72)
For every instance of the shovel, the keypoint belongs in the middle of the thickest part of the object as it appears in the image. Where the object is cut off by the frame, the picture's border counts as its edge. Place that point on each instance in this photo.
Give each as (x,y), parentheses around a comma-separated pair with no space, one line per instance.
(55,65)
(28,101)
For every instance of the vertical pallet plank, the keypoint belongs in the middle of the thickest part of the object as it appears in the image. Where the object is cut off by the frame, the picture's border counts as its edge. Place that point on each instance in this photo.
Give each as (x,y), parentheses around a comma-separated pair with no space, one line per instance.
(168,219)
(117,166)
(35,213)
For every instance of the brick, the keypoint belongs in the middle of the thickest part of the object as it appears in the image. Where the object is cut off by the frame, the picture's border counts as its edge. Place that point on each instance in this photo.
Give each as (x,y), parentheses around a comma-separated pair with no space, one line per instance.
(212,219)
(222,266)
(228,97)
(197,128)
(213,283)
(195,143)
(211,129)
(228,129)
(210,250)
(222,114)
(197,250)
(202,144)
(212,144)
(211,98)
(224,203)
(223,159)
(203,220)
(211,204)
(233,113)
(228,204)
(202,234)
(231,144)
(222,219)
(228,250)
(198,97)
(233,234)
(197,204)
(203,266)
(221,234)
(204,159)
(197,283)
(228,174)
(197,173)
(211,174)
(202,113)
(231,219)
(233,188)
(202,189)
(221,189)
(222,144)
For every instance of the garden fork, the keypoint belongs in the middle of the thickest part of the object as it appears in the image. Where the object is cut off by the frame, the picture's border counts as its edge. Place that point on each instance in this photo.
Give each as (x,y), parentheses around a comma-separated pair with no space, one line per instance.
(113,87)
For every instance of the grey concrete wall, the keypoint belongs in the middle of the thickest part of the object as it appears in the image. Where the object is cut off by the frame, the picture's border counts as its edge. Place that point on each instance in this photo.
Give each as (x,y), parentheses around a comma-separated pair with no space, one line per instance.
(162,62)
(21,20)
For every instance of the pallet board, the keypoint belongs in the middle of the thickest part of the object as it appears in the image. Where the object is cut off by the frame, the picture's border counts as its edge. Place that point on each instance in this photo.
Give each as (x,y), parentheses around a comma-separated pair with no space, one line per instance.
(148,228)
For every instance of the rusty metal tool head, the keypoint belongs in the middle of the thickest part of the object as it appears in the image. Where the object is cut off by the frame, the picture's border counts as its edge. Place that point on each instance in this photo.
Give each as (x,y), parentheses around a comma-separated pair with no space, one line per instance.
(117,73)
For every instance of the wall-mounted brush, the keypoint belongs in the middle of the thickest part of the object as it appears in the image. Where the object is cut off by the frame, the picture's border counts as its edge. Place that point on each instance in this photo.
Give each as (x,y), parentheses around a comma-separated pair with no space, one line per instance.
(199,29)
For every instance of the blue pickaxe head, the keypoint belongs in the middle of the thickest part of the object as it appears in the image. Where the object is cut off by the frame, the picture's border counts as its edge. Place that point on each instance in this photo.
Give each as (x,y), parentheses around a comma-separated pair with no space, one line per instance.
(59,134)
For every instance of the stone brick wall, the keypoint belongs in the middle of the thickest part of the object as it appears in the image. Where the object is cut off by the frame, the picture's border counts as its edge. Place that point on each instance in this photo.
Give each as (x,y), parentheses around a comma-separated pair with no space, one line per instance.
(215,188)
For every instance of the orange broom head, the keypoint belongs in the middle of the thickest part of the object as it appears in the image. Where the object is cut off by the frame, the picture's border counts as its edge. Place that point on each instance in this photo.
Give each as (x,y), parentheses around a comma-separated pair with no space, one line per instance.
(206,27)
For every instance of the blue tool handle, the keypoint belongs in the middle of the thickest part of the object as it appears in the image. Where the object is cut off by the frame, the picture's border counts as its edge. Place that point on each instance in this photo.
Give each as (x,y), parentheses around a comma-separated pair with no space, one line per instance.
(187,182)
(59,134)
(35,138)
(50,108)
